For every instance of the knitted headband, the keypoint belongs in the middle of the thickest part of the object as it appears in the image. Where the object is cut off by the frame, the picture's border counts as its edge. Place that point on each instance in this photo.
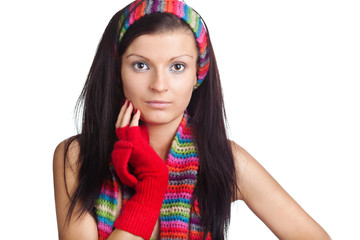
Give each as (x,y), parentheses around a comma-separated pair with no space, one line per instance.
(139,8)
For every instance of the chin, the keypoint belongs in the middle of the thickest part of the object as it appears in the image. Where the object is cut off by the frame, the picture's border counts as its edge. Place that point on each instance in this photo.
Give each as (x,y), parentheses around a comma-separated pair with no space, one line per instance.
(160,118)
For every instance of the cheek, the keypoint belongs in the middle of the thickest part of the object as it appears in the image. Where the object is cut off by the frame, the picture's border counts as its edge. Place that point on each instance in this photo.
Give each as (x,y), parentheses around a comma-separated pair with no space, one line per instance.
(129,85)
(128,89)
(185,92)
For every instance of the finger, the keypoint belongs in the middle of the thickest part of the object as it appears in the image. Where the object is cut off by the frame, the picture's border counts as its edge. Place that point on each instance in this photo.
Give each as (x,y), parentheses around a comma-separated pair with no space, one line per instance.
(135,119)
(127,116)
(121,114)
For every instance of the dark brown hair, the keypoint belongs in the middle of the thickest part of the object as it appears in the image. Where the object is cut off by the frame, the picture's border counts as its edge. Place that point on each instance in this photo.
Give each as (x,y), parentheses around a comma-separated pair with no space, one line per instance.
(99,102)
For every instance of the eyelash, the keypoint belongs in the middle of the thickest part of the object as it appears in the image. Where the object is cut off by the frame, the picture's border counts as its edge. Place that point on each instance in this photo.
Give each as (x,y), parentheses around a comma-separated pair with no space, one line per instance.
(135,64)
(183,65)
(139,62)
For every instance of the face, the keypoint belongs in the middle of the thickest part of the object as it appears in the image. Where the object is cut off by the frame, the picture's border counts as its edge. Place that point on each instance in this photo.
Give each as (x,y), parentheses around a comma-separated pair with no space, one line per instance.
(159,72)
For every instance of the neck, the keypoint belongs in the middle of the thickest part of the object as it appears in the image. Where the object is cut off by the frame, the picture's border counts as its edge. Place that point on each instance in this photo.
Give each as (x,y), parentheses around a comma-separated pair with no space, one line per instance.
(162,135)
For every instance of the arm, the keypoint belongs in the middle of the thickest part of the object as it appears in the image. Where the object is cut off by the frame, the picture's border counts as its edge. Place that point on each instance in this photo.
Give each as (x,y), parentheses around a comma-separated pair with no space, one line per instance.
(85,227)
(150,179)
(270,202)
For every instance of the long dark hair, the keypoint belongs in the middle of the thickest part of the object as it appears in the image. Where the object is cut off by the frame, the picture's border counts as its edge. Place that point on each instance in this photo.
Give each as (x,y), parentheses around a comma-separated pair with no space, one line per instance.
(99,102)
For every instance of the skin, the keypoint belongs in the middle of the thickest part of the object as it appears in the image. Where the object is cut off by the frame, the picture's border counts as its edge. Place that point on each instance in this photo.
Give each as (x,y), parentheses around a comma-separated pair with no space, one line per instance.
(151,75)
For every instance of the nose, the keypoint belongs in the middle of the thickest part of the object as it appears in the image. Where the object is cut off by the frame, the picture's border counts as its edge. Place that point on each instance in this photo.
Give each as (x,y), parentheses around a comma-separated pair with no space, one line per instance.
(159,81)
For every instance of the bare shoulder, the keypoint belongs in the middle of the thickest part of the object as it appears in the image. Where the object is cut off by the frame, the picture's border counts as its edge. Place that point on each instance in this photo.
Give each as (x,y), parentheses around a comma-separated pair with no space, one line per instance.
(240,154)
(72,155)
(242,160)
(66,167)
(252,178)
(270,202)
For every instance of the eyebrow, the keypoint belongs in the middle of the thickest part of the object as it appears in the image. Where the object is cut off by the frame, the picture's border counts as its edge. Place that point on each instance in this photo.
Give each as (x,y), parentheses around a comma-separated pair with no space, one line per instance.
(136,55)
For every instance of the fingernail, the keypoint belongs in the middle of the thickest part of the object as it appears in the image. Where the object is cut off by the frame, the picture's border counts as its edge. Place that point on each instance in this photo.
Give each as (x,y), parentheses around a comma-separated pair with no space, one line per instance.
(128,103)
(136,111)
(123,102)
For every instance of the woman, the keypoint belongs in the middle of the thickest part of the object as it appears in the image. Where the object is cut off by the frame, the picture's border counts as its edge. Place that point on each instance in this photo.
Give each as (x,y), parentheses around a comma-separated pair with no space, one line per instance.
(153,159)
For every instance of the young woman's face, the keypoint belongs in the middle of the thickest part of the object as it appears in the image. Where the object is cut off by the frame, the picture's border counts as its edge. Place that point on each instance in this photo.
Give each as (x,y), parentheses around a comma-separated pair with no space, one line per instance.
(158,73)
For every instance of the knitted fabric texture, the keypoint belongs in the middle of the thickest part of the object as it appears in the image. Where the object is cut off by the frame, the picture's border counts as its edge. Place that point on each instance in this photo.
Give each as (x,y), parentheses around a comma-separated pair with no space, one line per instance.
(140,8)
(179,215)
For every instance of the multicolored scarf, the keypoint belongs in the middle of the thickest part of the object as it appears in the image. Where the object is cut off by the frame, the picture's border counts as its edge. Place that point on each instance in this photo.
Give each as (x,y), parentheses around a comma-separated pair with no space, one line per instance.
(179,215)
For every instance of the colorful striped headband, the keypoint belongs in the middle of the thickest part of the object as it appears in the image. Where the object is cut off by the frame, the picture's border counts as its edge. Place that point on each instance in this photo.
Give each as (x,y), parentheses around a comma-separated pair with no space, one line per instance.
(140,8)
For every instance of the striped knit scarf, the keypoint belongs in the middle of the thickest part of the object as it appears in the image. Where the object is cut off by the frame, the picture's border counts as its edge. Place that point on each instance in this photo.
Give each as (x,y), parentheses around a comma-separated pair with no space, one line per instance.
(179,215)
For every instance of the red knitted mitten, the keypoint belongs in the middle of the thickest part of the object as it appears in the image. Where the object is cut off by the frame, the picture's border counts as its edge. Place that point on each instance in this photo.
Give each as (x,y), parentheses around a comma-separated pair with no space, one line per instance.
(140,213)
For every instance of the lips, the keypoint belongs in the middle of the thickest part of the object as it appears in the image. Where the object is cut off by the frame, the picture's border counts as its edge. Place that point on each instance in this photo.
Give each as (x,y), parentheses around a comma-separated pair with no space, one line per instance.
(159,104)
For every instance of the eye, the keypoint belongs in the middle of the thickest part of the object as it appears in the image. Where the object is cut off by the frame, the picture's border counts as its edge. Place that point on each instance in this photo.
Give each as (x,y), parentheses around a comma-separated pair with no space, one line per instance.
(178,67)
(140,66)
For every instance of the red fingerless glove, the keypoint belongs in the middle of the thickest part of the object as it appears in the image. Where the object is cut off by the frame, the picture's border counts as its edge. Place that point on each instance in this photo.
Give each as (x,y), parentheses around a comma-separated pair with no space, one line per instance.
(151,175)
(122,152)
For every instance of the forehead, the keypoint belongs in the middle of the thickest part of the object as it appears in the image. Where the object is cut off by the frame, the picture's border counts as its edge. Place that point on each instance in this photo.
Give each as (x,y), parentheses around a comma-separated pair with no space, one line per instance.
(164,43)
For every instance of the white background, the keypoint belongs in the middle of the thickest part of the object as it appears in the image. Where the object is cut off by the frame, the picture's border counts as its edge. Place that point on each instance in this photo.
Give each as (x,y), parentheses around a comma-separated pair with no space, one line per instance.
(290,72)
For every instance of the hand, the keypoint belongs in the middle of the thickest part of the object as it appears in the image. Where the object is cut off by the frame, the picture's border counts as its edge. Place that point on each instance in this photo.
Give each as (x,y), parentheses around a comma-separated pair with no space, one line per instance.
(124,147)
(124,116)
(139,215)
